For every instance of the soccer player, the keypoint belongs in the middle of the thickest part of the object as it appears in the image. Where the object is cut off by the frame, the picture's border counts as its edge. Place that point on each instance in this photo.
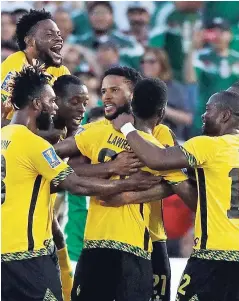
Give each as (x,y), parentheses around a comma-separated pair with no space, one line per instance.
(38,37)
(123,79)
(28,165)
(100,143)
(211,272)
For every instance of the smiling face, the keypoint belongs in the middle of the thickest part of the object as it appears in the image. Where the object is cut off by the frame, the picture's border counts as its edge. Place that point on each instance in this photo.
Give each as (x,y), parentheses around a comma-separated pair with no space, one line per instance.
(116,95)
(72,106)
(48,43)
(212,118)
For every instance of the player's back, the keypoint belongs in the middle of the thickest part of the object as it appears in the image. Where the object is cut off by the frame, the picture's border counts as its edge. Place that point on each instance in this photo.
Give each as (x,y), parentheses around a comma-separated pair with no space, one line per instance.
(126,226)
(217,218)
(24,193)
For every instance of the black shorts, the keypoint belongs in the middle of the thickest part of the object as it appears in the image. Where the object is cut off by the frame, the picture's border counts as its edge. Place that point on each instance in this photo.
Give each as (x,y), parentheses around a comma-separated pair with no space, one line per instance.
(209,280)
(34,279)
(161,271)
(108,274)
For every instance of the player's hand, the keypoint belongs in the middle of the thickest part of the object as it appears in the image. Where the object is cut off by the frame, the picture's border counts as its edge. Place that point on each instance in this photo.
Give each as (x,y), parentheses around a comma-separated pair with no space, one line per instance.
(121,120)
(142,181)
(125,164)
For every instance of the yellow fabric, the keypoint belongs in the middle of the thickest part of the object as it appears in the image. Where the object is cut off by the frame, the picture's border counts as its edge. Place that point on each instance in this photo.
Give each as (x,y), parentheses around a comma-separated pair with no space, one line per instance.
(15,63)
(217,160)
(124,224)
(26,156)
(66,273)
(165,136)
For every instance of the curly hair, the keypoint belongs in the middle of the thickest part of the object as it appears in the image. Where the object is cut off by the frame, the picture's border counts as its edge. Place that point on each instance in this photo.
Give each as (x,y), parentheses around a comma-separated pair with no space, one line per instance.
(27,85)
(27,22)
(150,98)
(131,75)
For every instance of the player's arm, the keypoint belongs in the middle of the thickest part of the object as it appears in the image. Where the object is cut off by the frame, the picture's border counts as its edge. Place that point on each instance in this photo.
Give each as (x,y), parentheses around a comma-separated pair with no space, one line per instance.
(124,164)
(67,148)
(151,155)
(185,190)
(95,186)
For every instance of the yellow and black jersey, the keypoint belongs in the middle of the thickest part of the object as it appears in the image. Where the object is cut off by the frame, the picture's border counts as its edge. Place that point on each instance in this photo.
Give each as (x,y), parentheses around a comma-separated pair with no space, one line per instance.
(216,162)
(167,138)
(15,63)
(28,165)
(127,227)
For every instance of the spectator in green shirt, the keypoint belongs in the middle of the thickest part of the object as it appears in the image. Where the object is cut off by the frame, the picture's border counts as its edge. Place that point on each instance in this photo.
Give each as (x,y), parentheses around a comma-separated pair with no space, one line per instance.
(174,34)
(214,68)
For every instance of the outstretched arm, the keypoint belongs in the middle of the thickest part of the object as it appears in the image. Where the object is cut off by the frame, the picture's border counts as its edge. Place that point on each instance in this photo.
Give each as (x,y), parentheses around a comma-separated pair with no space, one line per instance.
(124,164)
(185,190)
(95,186)
(67,148)
(151,155)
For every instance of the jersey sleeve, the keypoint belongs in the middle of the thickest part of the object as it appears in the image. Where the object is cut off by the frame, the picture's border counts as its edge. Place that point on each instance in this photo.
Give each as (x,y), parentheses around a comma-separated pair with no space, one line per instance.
(65,71)
(175,177)
(85,139)
(6,75)
(199,150)
(46,162)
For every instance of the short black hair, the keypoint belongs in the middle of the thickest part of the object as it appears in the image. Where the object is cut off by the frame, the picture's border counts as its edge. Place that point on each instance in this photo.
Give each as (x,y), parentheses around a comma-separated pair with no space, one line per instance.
(130,74)
(149,98)
(27,85)
(95,112)
(93,4)
(26,24)
(228,100)
(64,81)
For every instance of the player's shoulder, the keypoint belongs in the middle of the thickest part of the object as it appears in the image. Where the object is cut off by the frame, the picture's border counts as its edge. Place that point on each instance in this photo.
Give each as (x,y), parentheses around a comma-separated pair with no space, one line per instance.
(165,135)
(96,124)
(58,71)
(15,60)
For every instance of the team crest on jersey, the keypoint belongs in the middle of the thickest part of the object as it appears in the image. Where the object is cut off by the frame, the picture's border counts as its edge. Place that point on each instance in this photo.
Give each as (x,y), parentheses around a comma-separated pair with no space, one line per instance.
(51,157)
(5,86)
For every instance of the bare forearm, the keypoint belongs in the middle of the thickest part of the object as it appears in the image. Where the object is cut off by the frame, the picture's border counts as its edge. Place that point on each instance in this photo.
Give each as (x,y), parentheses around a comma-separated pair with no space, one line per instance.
(155,157)
(103,170)
(189,71)
(188,193)
(94,186)
(155,193)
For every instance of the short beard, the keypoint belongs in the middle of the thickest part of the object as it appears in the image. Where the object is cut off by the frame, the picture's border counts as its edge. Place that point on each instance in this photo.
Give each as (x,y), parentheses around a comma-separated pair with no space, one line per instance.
(126,108)
(44,121)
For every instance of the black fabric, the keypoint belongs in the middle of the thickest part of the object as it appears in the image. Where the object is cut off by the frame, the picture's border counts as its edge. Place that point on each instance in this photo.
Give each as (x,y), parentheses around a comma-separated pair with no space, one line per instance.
(210,280)
(108,274)
(161,271)
(31,280)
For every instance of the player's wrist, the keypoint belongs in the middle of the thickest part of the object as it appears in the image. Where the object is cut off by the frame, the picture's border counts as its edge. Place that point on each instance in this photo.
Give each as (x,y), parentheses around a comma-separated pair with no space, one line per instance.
(127,128)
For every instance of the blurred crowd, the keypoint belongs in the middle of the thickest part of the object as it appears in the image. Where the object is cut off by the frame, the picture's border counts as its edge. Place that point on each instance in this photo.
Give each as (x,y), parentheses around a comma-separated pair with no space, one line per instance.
(192,45)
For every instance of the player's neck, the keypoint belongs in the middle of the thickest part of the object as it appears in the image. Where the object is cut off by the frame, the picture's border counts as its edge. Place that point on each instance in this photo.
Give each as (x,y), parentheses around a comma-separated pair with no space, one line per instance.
(144,125)
(22,117)
(30,56)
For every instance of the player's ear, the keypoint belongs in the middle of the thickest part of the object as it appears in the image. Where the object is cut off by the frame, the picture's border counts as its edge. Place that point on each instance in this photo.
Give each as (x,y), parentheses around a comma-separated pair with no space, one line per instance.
(37,105)
(30,41)
(226,115)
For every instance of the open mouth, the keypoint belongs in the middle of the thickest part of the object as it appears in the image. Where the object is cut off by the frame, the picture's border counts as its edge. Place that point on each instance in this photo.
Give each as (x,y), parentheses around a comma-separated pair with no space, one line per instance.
(56,51)
(109,108)
(77,120)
